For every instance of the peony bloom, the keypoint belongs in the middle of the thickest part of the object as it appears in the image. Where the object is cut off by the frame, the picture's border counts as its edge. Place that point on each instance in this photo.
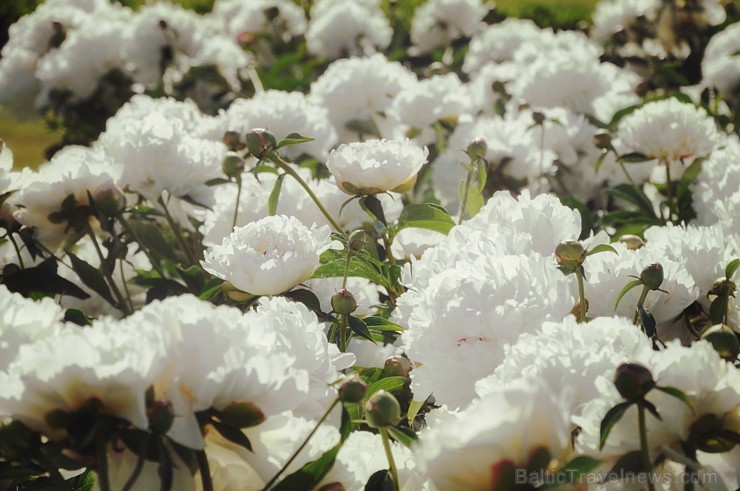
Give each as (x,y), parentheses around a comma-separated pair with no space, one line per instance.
(252,17)
(721,65)
(717,188)
(669,130)
(269,256)
(499,42)
(376,166)
(438,22)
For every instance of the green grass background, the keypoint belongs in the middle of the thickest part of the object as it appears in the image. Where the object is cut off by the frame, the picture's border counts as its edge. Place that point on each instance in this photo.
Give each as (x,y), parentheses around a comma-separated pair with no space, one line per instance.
(29,139)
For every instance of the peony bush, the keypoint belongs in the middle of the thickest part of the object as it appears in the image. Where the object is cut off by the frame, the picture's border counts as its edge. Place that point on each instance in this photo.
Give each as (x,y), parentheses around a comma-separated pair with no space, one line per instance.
(282,247)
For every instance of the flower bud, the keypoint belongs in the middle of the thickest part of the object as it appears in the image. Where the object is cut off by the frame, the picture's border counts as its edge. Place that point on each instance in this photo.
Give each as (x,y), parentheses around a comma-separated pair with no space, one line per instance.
(382,409)
(603,141)
(652,276)
(7,218)
(259,141)
(570,254)
(633,242)
(352,390)
(232,141)
(242,414)
(722,286)
(477,149)
(160,416)
(234,293)
(343,302)
(633,381)
(357,240)
(397,366)
(109,200)
(232,166)
(538,118)
(724,340)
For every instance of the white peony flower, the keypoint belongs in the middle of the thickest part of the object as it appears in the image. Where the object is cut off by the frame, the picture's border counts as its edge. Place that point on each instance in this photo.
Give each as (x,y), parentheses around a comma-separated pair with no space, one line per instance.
(669,130)
(463,450)
(340,28)
(717,189)
(613,16)
(376,166)
(269,256)
(252,17)
(499,42)
(721,66)
(438,22)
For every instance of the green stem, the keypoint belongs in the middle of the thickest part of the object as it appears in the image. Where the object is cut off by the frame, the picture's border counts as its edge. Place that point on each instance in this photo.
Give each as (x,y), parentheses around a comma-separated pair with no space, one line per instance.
(101,462)
(130,230)
(205,470)
(632,181)
(17,249)
(387,243)
(238,197)
(669,191)
(125,285)
(343,333)
(581,295)
(178,236)
(346,267)
(303,445)
(288,169)
(645,452)
(139,464)
(122,305)
(389,455)
(466,189)
(640,303)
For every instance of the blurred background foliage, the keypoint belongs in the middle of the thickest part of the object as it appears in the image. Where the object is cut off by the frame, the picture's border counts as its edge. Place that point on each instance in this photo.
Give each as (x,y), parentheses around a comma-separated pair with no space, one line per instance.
(29,139)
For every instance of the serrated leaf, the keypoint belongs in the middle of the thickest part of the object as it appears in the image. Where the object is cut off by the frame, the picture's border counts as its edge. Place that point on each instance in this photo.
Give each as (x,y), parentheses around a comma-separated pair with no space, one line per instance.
(360,328)
(601,248)
(610,419)
(310,474)
(404,436)
(678,394)
(629,286)
(426,216)
(388,384)
(732,268)
(293,139)
(275,194)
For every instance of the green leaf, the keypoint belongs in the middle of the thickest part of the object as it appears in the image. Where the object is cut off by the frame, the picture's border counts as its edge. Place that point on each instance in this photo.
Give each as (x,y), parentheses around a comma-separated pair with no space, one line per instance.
(651,409)
(151,238)
(76,316)
(678,394)
(374,208)
(414,408)
(629,286)
(234,435)
(380,481)
(381,324)
(404,436)
(388,384)
(275,194)
(628,464)
(360,328)
(310,474)
(718,308)
(333,263)
(579,466)
(42,279)
(306,297)
(427,216)
(647,320)
(731,268)
(293,139)
(601,248)
(610,419)
(634,158)
(363,127)
(600,161)
(211,288)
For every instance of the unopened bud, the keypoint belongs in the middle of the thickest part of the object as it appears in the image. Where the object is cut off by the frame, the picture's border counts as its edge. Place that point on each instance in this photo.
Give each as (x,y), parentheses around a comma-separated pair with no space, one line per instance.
(233,142)
(722,287)
(382,410)
(723,340)
(652,276)
(343,302)
(160,415)
(397,366)
(633,242)
(109,200)
(232,166)
(477,149)
(603,141)
(7,218)
(633,381)
(242,414)
(352,390)
(570,254)
(538,118)
(259,141)
(357,240)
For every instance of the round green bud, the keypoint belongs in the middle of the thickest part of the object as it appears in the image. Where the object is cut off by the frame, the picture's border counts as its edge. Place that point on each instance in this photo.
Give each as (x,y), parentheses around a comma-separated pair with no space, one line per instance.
(722,286)
(652,276)
(232,165)
(570,254)
(397,366)
(477,149)
(343,302)
(633,242)
(109,200)
(538,118)
(160,416)
(233,142)
(603,141)
(357,240)
(633,381)
(352,390)
(724,340)
(259,140)
(382,410)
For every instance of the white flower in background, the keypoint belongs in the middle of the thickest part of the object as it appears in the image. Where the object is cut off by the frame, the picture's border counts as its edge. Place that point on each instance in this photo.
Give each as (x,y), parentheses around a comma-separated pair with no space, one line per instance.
(440,97)
(721,66)
(499,42)
(669,130)
(413,242)
(362,455)
(23,321)
(283,113)
(74,171)
(711,384)
(107,361)
(269,256)
(463,450)
(159,154)
(376,166)
(6,167)
(481,87)
(568,357)
(716,190)
(369,354)
(341,28)
(613,16)
(438,22)
(252,17)
(460,321)
(360,89)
